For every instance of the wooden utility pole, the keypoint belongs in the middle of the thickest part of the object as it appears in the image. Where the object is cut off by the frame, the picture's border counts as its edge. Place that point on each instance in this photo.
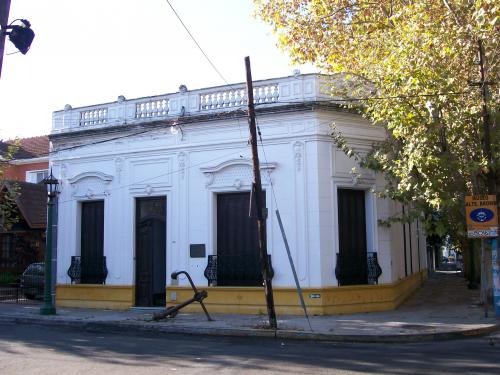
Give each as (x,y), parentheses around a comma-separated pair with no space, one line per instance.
(491,177)
(4,19)
(257,194)
(483,84)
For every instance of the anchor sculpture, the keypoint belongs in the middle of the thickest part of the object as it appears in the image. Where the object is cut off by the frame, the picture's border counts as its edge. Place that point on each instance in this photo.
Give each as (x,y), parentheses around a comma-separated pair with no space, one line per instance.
(172,311)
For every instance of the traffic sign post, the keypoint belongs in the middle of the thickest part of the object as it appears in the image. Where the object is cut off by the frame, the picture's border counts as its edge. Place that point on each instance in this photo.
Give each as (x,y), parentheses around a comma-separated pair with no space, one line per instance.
(482,222)
(482,216)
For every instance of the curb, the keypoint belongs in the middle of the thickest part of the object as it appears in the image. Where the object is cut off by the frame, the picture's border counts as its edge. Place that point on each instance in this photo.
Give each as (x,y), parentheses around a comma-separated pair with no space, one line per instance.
(128,327)
(388,339)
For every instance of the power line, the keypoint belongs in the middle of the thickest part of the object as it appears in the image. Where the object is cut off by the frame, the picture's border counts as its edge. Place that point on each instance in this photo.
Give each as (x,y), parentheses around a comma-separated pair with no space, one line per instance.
(197,44)
(242,113)
(155,129)
(333,101)
(236,152)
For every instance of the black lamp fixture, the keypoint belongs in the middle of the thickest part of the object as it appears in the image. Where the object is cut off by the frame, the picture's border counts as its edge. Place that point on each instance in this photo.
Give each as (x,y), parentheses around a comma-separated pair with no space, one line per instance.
(21,35)
(52,185)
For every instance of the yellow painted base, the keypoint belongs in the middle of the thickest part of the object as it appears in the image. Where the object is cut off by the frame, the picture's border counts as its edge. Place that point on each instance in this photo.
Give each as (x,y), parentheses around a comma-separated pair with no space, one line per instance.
(95,296)
(251,300)
(319,301)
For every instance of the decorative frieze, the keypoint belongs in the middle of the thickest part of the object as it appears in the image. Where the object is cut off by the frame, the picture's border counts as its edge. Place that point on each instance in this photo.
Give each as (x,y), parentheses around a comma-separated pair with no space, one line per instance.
(237,173)
(90,185)
(181,159)
(298,150)
(119,168)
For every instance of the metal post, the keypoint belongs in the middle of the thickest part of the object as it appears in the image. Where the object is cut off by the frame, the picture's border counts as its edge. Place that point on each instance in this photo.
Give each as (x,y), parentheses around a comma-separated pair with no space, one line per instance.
(404,243)
(257,187)
(496,277)
(484,281)
(4,19)
(48,307)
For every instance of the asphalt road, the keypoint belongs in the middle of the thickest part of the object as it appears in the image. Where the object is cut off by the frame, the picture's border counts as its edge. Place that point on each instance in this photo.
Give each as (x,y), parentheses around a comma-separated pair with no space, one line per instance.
(31,349)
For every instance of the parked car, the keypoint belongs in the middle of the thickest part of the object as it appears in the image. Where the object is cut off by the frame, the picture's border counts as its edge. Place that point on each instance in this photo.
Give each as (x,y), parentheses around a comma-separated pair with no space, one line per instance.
(33,281)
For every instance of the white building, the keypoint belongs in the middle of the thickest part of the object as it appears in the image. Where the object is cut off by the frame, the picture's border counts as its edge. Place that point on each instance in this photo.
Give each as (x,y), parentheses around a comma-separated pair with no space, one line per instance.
(158,184)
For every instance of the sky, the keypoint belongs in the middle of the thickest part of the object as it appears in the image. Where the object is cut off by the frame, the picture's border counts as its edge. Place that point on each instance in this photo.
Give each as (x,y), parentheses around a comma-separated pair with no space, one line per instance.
(90,52)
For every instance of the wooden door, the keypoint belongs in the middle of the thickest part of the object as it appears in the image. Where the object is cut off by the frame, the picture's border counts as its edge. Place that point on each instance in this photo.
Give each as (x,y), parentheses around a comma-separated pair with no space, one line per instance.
(352,257)
(150,251)
(92,242)
(238,261)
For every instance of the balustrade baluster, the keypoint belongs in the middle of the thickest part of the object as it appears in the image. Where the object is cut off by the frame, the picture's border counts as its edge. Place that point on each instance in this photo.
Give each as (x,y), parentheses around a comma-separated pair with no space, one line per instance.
(213,101)
(238,100)
(225,99)
(275,93)
(268,94)
(256,96)
(165,107)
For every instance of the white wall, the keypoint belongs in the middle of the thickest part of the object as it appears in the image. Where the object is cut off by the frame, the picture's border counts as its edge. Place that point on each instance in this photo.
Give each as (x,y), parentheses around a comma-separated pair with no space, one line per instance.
(191,167)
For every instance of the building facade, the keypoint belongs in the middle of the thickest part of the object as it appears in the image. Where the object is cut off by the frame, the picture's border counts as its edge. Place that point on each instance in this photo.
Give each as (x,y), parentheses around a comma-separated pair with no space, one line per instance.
(160,184)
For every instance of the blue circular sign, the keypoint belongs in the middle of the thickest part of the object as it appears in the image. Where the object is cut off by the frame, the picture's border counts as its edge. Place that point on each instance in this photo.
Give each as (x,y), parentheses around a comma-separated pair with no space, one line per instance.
(481,215)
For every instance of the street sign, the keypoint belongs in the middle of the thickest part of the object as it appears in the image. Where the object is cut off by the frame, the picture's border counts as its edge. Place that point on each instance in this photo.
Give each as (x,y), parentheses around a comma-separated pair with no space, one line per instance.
(481,215)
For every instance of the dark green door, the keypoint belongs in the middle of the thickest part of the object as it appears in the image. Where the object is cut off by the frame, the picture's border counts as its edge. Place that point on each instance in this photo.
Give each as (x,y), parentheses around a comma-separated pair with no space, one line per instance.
(238,261)
(150,251)
(352,258)
(92,242)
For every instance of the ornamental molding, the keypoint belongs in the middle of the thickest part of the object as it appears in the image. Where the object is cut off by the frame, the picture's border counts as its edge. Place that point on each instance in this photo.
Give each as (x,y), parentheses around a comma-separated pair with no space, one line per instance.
(181,159)
(106,178)
(237,173)
(119,168)
(298,151)
(90,185)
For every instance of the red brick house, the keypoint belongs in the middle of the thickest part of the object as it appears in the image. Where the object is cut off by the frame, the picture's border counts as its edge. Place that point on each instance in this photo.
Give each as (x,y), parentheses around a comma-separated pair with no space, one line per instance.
(24,243)
(30,162)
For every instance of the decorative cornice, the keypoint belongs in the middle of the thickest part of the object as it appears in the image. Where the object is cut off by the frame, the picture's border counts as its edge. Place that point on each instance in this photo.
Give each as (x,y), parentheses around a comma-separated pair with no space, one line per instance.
(106,178)
(235,162)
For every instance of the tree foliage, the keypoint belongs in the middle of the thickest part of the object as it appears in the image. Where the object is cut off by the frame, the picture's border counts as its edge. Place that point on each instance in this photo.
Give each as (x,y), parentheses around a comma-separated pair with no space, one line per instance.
(9,214)
(421,56)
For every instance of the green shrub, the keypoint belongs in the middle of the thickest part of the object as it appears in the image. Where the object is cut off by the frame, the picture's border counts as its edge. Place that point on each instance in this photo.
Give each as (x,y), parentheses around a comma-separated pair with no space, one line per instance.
(7,278)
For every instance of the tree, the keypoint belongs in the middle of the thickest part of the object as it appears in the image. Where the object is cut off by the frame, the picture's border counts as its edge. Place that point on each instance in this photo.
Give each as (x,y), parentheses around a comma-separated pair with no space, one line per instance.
(420,56)
(8,207)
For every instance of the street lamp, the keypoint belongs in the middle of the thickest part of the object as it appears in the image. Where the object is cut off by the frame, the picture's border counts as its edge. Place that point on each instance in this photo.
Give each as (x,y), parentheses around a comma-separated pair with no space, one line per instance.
(52,184)
(20,35)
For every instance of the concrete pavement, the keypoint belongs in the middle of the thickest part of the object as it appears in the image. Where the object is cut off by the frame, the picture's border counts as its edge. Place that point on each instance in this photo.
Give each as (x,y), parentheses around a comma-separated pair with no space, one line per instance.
(442,309)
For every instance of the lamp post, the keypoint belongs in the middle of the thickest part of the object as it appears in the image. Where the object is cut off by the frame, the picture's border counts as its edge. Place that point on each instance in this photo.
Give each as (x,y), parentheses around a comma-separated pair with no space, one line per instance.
(21,35)
(52,184)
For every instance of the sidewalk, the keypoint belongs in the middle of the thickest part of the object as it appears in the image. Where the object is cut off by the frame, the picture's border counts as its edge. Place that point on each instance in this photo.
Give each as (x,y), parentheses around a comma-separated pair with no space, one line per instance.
(442,309)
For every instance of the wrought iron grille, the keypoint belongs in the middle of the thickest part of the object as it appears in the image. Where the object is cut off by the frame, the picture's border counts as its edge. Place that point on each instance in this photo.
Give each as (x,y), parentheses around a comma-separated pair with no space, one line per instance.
(345,272)
(374,269)
(88,271)
(235,270)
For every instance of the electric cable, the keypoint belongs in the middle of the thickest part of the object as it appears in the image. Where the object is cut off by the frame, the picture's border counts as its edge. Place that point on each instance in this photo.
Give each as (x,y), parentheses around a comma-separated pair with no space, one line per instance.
(196,42)
(238,152)
(172,172)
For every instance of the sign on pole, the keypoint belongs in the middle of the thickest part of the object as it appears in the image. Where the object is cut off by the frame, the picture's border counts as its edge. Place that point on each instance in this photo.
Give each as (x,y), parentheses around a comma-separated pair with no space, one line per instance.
(481,215)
